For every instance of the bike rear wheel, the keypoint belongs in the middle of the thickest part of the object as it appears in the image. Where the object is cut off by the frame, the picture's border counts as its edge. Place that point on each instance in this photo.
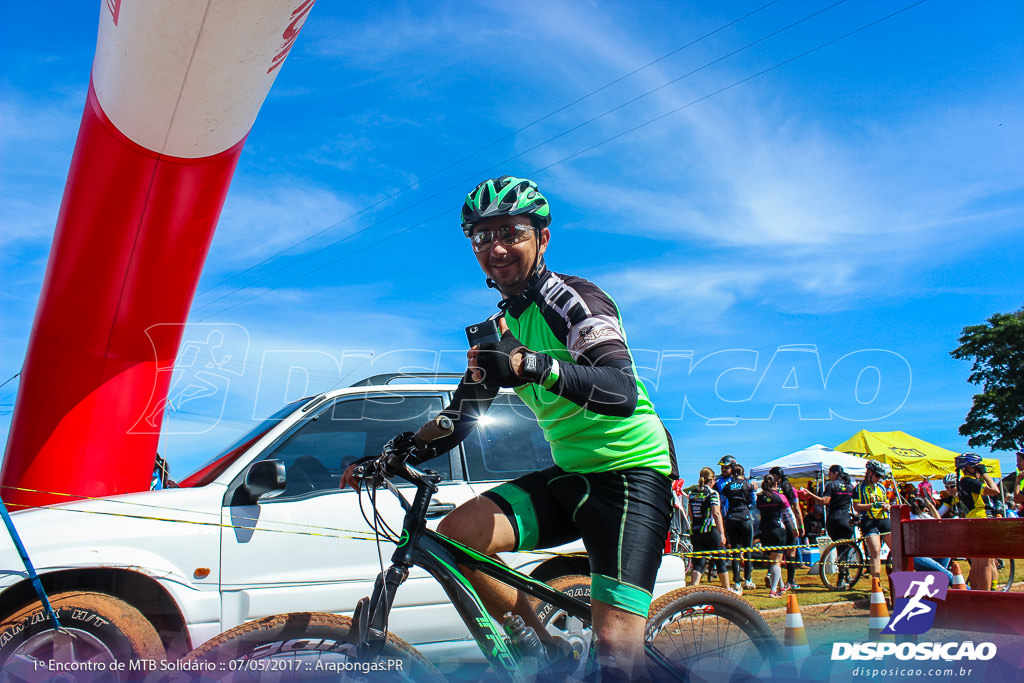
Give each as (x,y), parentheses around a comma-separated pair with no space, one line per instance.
(837,557)
(304,646)
(1006,570)
(707,633)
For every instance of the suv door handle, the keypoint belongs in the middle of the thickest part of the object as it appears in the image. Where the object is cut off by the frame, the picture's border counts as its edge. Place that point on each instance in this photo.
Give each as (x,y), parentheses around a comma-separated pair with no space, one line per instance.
(435,510)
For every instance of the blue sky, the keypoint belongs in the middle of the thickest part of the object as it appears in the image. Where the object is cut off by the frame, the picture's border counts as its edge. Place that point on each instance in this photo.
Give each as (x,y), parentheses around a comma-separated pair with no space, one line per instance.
(771,205)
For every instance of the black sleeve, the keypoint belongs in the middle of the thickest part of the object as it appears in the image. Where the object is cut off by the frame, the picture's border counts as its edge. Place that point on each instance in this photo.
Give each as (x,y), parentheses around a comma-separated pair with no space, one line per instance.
(607,389)
(469,402)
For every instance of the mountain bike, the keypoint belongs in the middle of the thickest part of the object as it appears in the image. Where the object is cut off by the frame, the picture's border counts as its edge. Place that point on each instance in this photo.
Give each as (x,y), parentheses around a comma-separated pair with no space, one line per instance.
(705,632)
(847,561)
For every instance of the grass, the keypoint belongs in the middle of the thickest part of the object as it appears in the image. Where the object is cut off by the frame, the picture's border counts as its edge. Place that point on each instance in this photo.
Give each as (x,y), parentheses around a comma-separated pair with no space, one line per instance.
(812,592)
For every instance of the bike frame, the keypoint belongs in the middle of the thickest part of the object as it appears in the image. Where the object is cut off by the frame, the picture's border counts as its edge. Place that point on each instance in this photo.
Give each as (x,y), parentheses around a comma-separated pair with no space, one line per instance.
(441,557)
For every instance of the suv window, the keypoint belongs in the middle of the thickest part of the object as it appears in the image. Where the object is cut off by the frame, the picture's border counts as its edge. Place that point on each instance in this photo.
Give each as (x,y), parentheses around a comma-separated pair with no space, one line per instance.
(507,442)
(319,450)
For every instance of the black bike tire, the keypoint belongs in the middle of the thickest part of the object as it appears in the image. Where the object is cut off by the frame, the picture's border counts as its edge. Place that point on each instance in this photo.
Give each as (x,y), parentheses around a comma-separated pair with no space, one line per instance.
(688,654)
(1007,585)
(235,654)
(855,562)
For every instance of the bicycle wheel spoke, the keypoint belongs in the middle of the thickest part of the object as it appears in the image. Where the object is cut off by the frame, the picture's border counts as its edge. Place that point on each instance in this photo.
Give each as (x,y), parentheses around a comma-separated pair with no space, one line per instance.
(706,645)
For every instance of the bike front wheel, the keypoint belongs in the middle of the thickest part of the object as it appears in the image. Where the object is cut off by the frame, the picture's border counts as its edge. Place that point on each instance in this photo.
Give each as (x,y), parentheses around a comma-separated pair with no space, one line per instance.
(841,561)
(703,633)
(304,646)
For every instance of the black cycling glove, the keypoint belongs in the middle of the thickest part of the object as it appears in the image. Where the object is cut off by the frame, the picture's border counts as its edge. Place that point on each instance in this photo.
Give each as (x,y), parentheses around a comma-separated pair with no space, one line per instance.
(495,361)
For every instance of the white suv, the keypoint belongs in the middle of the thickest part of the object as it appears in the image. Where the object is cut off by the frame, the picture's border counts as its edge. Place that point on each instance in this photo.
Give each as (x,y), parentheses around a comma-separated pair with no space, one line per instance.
(167,570)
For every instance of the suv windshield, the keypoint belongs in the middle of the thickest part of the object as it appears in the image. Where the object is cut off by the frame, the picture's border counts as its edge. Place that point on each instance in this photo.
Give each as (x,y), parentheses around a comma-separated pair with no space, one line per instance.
(211,470)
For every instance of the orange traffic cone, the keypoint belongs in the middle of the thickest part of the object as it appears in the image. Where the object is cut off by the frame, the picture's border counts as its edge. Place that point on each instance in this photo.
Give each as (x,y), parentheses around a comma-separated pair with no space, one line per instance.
(794,640)
(958,582)
(879,615)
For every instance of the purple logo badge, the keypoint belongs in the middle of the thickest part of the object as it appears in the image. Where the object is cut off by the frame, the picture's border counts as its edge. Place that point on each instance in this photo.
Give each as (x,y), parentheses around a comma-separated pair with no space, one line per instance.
(913,601)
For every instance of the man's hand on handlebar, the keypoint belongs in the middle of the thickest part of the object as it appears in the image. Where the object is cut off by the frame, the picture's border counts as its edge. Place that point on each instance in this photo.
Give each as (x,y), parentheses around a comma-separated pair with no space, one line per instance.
(353,474)
(396,452)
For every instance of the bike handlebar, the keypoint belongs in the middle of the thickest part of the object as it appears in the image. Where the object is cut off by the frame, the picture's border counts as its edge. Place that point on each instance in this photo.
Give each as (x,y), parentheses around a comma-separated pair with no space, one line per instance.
(438,428)
(393,460)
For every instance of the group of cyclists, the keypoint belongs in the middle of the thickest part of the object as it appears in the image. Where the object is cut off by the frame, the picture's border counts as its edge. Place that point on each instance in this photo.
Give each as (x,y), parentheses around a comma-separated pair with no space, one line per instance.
(728,511)
(727,503)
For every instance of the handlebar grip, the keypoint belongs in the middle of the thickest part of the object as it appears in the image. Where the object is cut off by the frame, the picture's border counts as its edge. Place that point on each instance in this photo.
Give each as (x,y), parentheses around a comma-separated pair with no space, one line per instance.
(440,427)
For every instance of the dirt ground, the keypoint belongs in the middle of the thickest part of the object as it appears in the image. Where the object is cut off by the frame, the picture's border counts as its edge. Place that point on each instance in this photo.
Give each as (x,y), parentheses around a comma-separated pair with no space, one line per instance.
(845,621)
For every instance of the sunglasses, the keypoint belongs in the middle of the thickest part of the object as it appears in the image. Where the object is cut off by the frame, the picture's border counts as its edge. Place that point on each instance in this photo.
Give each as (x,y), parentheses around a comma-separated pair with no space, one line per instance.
(508,235)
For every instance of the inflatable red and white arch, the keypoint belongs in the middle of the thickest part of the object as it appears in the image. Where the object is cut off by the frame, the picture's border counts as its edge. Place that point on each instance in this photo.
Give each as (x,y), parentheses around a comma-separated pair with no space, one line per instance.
(175,89)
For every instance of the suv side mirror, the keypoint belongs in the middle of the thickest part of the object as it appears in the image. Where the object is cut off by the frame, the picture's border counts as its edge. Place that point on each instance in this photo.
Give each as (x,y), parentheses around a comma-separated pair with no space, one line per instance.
(263,477)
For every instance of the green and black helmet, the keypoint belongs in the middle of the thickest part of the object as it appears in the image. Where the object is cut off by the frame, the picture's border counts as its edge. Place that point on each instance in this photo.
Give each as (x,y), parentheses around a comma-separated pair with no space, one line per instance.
(505,196)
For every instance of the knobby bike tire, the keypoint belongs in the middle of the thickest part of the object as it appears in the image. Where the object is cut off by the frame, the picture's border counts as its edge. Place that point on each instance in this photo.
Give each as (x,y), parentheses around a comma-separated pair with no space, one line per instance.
(303,646)
(708,633)
(828,564)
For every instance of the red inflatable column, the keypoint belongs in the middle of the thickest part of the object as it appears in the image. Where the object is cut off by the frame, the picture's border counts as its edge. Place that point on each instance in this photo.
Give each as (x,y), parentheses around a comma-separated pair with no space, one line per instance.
(175,89)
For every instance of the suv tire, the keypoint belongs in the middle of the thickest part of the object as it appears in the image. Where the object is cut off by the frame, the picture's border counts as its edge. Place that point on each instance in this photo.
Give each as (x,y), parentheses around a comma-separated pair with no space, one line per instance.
(106,630)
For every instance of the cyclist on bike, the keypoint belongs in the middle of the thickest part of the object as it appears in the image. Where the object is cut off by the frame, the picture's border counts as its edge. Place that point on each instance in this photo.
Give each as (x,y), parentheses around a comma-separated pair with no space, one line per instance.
(837,497)
(974,486)
(564,352)
(872,501)
(739,497)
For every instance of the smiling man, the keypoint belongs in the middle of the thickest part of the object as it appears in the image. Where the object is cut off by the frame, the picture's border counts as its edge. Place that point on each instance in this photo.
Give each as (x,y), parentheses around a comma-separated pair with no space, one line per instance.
(564,352)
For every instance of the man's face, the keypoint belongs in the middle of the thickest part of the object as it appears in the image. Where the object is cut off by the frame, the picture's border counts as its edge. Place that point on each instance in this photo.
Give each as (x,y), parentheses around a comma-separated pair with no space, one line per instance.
(509,266)
(726,470)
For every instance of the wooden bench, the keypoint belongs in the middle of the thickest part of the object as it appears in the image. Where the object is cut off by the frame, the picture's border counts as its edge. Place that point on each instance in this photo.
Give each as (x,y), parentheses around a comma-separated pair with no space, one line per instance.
(974,610)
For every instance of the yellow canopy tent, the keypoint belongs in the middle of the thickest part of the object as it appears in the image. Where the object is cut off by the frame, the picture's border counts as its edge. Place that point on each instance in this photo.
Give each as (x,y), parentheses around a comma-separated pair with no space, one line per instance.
(908,457)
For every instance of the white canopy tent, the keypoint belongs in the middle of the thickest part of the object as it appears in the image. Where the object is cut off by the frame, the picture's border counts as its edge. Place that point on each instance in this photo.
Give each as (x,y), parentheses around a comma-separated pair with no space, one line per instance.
(812,462)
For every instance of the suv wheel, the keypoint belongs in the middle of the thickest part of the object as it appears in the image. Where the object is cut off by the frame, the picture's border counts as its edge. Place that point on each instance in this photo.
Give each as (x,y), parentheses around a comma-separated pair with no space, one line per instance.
(100,628)
(557,622)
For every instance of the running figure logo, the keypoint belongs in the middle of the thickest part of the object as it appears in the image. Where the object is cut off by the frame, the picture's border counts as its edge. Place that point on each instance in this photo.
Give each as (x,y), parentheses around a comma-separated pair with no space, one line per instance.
(914,612)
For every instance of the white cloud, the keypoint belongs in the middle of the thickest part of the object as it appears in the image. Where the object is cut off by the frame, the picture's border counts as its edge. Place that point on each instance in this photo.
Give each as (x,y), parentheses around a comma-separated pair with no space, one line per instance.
(259,222)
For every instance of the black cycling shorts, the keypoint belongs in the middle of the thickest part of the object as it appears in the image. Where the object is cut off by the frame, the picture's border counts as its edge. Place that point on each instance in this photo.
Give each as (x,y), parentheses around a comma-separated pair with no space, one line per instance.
(709,540)
(870,526)
(740,532)
(839,528)
(622,517)
(774,536)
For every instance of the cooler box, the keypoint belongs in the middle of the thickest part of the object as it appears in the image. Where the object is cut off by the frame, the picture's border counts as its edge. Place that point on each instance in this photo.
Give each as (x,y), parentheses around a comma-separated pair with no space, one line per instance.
(810,556)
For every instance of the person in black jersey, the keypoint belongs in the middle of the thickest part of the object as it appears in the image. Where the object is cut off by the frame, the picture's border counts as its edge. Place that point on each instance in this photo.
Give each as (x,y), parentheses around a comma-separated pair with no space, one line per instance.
(837,497)
(793,533)
(776,517)
(724,478)
(975,487)
(739,496)
(706,523)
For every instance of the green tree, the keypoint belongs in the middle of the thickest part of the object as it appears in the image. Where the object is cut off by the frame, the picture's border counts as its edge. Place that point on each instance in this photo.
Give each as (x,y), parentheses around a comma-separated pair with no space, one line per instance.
(996,419)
